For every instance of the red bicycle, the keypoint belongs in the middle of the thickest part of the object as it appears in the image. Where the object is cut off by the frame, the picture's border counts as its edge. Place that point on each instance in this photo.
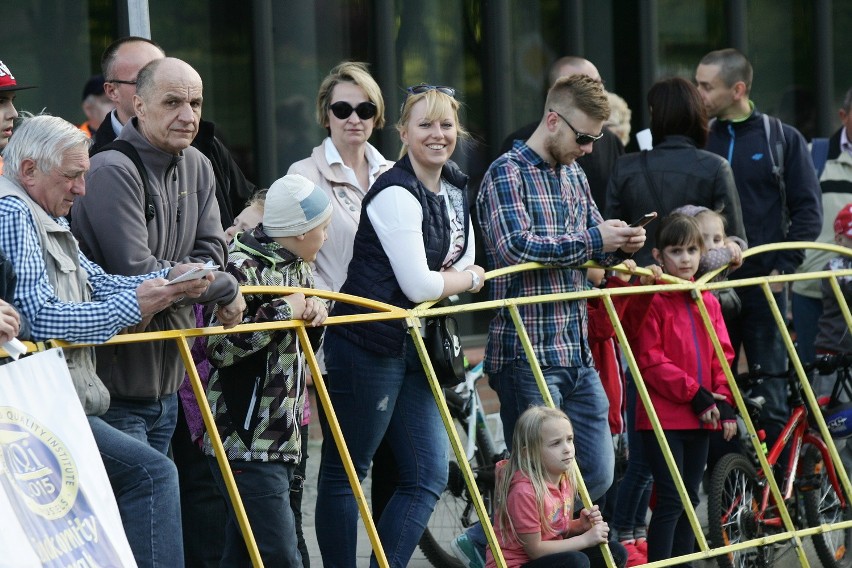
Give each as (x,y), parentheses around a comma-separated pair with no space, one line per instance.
(740,504)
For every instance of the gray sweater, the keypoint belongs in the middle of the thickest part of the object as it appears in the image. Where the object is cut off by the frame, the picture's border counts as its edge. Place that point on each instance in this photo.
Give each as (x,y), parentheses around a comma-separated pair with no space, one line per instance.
(109,222)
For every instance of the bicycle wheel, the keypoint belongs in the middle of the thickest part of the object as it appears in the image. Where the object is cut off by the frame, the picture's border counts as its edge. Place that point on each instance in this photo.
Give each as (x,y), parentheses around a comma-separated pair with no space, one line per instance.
(822,506)
(454,511)
(732,512)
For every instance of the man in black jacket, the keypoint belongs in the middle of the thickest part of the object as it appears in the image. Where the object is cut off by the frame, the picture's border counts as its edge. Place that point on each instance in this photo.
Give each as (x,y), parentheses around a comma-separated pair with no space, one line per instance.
(780,199)
(597,164)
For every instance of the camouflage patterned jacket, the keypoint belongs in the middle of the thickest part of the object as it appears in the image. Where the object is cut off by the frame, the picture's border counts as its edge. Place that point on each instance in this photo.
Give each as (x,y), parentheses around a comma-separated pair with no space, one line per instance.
(257,388)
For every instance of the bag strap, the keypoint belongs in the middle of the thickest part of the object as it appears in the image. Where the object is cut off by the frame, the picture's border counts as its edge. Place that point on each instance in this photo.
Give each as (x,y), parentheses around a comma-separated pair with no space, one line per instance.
(651,185)
(128,150)
(776,156)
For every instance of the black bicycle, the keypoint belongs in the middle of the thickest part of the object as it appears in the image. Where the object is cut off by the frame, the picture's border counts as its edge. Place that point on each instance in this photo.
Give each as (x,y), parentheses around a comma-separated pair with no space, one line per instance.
(455,511)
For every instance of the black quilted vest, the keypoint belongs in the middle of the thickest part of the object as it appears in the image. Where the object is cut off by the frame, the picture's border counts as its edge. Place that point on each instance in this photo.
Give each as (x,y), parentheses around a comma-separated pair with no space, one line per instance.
(370,274)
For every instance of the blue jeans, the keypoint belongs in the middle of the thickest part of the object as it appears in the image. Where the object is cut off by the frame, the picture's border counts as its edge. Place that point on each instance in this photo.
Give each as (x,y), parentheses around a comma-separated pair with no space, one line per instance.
(756,331)
(152,422)
(145,483)
(806,313)
(579,393)
(375,397)
(634,491)
(669,533)
(265,491)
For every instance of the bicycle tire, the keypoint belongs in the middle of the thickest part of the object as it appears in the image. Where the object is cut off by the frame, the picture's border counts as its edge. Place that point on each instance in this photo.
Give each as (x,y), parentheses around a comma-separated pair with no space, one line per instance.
(732,504)
(822,506)
(454,511)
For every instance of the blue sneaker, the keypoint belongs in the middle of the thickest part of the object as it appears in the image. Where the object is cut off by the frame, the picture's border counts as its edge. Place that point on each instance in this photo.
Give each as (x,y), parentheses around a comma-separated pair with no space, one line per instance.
(465,551)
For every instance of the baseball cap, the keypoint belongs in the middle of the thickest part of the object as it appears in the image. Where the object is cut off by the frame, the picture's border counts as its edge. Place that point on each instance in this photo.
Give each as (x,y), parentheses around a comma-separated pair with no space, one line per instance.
(843,221)
(7,80)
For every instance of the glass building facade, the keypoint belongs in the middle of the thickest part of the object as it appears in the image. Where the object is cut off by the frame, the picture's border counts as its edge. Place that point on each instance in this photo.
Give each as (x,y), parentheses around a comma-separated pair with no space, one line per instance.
(262,61)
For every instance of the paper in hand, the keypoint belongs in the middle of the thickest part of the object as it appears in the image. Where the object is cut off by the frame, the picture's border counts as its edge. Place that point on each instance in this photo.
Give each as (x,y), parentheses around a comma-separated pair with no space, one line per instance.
(195,273)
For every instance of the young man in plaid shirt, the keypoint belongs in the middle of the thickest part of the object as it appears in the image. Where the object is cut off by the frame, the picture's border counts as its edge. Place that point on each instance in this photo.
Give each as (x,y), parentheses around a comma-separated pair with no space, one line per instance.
(535,206)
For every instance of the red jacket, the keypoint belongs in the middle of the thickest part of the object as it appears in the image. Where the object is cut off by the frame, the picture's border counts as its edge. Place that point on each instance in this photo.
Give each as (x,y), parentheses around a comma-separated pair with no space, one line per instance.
(676,358)
(605,349)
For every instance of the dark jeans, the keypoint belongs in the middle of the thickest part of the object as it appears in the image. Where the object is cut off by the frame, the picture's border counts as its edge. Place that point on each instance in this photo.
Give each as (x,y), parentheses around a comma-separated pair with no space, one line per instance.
(634,491)
(591,557)
(806,313)
(669,533)
(378,397)
(296,492)
(204,511)
(265,491)
(152,422)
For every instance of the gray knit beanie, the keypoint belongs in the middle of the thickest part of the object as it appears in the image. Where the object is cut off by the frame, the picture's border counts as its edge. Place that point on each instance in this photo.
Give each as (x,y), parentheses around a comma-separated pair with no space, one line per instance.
(294,206)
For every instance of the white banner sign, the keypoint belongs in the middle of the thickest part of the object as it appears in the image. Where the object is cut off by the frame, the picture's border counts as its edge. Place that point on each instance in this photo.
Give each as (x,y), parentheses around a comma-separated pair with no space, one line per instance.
(56,503)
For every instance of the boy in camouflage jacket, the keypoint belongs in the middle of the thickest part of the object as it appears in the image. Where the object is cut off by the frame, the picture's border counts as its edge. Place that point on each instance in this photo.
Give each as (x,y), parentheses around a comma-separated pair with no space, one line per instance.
(257,388)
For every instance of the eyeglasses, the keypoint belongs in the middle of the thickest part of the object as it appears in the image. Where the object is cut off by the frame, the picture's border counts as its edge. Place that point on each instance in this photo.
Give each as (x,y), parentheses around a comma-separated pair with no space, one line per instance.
(423,87)
(582,137)
(120,82)
(343,110)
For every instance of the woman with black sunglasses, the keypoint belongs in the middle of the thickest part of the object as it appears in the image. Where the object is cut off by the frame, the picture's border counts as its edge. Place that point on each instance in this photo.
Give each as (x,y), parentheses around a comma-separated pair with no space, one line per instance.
(414,243)
(345,165)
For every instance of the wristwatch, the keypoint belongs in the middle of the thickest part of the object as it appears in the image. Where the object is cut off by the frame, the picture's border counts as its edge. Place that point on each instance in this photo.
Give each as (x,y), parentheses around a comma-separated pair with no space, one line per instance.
(474,279)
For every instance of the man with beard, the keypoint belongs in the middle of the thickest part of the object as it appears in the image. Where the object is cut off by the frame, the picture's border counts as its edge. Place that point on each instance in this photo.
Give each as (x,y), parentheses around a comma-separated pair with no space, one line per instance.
(535,206)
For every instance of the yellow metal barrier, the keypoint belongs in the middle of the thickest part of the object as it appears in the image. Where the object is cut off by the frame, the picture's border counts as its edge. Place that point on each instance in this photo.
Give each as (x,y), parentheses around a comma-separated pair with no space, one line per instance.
(385,312)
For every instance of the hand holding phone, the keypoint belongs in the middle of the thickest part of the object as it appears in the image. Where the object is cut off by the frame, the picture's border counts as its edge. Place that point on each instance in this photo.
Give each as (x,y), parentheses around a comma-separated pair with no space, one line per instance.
(644,219)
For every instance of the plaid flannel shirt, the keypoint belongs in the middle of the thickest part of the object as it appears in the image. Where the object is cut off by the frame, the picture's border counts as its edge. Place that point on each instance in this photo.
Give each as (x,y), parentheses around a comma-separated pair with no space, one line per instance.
(530,211)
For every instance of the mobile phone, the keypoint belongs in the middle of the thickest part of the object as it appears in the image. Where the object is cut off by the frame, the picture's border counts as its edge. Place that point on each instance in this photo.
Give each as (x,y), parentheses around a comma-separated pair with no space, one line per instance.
(644,219)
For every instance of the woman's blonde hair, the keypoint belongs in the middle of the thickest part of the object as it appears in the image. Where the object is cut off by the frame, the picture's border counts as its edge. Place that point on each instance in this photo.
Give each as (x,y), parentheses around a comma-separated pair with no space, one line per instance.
(350,72)
(526,458)
(438,105)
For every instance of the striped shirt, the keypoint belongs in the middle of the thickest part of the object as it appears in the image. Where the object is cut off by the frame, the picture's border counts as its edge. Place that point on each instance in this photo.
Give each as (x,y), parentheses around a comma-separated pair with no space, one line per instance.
(530,211)
(113,307)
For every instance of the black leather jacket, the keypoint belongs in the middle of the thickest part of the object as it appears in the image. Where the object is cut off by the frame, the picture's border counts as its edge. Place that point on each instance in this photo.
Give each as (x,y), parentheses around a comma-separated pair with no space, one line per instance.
(681,175)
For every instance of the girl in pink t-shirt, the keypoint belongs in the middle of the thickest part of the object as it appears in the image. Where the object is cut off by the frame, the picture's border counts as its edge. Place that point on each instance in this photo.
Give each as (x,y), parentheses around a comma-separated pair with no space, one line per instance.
(534,500)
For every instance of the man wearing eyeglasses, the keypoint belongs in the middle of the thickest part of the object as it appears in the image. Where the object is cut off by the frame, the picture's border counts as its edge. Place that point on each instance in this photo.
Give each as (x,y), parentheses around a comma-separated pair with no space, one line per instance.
(120,63)
(535,205)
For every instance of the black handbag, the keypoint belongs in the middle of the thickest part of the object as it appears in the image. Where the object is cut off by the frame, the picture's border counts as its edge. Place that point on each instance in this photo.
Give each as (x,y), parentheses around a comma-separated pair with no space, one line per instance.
(443,344)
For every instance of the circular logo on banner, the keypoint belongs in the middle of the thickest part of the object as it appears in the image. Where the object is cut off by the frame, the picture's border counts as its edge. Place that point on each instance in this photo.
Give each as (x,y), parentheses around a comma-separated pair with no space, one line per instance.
(37,464)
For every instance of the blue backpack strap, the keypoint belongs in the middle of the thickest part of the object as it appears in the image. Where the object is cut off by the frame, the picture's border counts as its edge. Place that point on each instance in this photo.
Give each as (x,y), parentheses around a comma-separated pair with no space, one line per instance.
(819,154)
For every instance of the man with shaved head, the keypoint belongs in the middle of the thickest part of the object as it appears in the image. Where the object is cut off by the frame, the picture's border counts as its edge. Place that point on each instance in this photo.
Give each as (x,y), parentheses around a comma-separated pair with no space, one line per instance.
(121,63)
(129,232)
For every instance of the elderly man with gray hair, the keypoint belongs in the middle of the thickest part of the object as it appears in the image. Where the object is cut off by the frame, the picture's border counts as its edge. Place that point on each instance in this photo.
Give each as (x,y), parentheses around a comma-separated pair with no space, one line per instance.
(66,296)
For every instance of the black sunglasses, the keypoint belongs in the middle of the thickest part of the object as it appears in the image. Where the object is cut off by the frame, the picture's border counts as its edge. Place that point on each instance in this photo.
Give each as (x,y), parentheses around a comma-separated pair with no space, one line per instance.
(343,110)
(582,137)
(423,87)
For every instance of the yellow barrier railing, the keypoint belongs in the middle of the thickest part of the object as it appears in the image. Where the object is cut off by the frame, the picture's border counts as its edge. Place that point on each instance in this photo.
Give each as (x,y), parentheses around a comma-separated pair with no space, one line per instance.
(386,312)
